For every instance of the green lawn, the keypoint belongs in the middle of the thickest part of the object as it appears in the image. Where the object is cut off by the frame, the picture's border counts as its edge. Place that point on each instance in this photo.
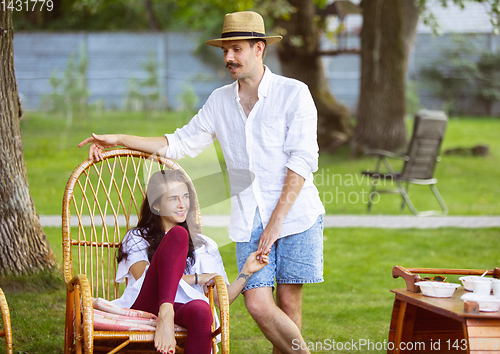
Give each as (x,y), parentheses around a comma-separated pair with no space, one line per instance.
(353,303)
(468,184)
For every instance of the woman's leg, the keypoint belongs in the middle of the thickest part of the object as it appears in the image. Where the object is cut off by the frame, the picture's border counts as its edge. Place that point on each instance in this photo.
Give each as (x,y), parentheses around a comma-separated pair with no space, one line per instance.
(196,317)
(165,271)
(158,291)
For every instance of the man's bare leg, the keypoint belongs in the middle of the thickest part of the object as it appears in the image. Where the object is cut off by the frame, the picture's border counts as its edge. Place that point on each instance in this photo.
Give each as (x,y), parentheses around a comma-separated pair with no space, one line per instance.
(281,331)
(289,300)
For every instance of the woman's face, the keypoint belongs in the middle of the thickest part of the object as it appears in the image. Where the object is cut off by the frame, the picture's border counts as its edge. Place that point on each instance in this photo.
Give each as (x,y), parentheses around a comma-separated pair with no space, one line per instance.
(174,204)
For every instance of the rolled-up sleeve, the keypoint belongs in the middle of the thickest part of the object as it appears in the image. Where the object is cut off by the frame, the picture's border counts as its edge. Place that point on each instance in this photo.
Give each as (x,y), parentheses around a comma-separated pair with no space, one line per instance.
(194,137)
(301,139)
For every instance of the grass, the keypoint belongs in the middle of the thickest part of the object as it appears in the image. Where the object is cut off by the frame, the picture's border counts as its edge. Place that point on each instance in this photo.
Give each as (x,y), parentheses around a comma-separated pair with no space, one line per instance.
(468,184)
(353,303)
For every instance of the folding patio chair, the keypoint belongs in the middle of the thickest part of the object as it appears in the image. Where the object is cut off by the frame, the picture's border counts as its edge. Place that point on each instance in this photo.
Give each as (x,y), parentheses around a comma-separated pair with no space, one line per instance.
(101,203)
(7,330)
(419,162)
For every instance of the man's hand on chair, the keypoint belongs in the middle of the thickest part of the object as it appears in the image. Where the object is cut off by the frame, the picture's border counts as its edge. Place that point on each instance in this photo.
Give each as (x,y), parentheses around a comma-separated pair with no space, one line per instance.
(98,143)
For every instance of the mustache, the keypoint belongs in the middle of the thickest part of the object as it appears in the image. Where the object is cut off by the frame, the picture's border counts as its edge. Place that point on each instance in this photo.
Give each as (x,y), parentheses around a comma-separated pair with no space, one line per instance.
(232,63)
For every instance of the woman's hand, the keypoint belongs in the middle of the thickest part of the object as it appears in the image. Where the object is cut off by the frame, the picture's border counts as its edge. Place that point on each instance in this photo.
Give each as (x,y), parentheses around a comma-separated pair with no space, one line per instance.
(202,278)
(205,277)
(253,263)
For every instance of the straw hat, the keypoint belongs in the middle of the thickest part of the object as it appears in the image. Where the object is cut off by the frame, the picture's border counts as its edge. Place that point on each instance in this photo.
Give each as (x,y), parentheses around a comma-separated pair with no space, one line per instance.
(243,25)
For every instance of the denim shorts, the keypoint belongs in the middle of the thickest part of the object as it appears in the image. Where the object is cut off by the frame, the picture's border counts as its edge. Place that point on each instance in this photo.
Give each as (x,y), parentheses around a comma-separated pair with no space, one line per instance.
(294,259)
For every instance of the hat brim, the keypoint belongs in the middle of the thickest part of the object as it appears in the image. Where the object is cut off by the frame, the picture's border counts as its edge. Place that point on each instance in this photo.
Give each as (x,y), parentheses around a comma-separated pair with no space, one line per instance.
(218,42)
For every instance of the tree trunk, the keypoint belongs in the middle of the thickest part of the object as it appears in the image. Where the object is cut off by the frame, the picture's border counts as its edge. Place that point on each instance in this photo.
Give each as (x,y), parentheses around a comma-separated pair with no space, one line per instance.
(24,247)
(382,103)
(302,62)
(153,20)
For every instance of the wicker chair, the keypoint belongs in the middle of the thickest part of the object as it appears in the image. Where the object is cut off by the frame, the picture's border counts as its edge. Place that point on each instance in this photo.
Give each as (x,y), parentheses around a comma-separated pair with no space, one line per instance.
(101,203)
(7,330)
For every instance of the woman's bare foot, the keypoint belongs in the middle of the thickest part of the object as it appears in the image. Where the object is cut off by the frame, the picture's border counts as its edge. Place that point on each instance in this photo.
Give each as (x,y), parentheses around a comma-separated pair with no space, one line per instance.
(165,335)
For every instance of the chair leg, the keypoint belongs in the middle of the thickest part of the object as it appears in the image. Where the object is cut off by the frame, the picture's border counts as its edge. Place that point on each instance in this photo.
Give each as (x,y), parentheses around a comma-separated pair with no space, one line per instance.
(373,191)
(7,329)
(440,199)
(403,202)
(406,198)
(414,210)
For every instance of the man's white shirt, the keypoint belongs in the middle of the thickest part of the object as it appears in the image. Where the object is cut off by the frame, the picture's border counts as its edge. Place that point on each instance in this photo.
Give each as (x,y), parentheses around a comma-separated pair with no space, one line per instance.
(280,133)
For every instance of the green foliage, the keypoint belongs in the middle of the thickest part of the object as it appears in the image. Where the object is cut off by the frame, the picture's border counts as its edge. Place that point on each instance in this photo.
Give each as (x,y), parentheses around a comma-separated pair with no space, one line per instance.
(146,94)
(430,20)
(132,15)
(69,93)
(188,98)
(489,78)
(464,70)
(92,15)
(412,98)
(51,154)
(453,73)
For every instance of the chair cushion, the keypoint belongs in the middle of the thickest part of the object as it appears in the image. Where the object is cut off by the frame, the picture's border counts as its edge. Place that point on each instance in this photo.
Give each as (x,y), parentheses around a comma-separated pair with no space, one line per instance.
(107,306)
(110,322)
(109,317)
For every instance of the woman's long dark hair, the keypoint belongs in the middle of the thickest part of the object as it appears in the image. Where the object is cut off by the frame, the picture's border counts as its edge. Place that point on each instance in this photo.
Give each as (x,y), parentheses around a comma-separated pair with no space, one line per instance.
(150,225)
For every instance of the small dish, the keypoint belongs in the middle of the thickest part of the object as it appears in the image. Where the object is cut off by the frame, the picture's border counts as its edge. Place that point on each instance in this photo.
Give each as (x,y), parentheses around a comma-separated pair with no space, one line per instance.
(496,287)
(469,279)
(487,303)
(481,287)
(436,288)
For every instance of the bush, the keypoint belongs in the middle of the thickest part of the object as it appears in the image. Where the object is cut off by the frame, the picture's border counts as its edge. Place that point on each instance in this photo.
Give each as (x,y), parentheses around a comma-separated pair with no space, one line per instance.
(461,71)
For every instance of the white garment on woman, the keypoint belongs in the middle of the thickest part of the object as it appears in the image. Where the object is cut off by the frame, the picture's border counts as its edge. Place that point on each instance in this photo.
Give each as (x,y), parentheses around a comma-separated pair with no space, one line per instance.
(207,260)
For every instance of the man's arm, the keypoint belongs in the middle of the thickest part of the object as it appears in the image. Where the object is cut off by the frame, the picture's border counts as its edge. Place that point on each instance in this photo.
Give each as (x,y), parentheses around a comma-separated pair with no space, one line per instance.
(291,189)
(147,144)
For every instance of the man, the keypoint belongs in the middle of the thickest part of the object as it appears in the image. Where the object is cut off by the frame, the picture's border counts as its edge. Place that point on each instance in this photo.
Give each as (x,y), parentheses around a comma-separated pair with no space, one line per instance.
(266,124)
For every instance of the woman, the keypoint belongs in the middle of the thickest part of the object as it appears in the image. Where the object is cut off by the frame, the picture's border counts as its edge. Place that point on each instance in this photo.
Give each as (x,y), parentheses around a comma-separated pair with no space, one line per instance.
(166,261)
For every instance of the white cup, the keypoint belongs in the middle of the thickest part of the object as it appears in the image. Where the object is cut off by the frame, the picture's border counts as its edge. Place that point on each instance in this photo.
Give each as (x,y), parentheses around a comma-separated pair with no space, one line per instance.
(481,287)
(496,287)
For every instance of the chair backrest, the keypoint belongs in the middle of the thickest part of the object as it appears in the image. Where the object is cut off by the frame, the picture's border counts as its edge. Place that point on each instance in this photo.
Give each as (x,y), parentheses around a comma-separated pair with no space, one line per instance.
(422,155)
(101,203)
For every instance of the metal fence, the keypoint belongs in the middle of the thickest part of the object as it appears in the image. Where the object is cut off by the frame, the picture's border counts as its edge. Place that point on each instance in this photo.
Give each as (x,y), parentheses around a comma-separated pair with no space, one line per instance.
(116,58)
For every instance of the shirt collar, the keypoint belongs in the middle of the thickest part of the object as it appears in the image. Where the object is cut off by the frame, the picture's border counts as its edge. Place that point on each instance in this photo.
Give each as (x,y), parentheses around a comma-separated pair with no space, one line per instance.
(265,82)
(263,85)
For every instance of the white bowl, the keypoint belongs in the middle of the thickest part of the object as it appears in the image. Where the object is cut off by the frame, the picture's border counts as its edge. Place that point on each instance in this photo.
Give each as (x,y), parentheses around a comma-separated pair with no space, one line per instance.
(481,287)
(469,279)
(496,287)
(487,303)
(437,288)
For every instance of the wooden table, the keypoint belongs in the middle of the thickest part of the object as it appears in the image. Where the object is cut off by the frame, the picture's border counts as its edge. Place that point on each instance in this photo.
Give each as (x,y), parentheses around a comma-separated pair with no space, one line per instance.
(433,325)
